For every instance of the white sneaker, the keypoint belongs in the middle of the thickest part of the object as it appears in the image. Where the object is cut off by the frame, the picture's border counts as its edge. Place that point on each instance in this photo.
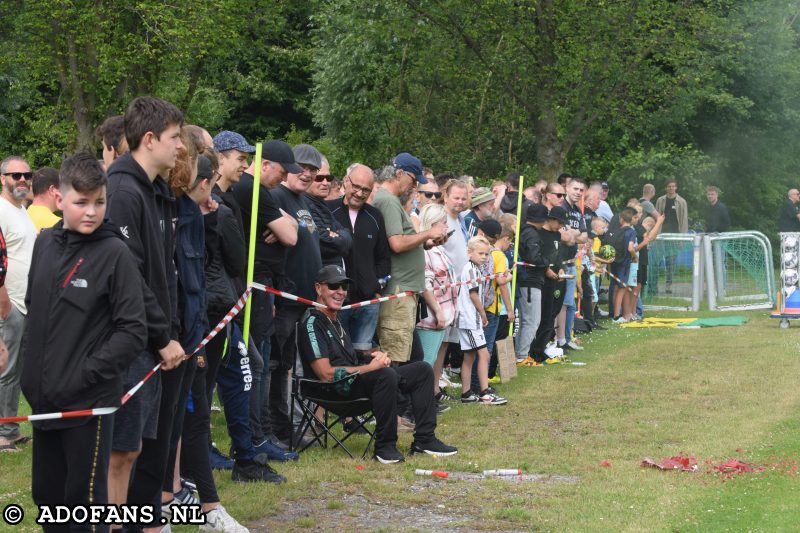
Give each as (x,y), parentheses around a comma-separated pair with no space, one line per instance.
(218,519)
(602,313)
(444,382)
(553,351)
(620,320)
(574,345)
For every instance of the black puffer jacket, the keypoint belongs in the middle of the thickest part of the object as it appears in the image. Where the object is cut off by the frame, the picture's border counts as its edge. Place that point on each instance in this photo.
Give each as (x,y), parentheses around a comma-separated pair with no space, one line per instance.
(225,259)
(145,213)
(86,322)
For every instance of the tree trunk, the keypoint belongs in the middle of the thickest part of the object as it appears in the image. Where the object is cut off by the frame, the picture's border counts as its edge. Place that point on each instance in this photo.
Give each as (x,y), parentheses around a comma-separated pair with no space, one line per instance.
(550,152)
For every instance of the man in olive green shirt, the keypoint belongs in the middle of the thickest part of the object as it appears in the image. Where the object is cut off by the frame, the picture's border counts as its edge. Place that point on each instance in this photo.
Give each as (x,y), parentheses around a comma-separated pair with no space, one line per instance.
(397,318)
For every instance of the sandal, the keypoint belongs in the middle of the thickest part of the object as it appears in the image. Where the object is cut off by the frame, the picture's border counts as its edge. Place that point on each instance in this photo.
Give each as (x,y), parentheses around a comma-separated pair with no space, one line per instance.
(9,448)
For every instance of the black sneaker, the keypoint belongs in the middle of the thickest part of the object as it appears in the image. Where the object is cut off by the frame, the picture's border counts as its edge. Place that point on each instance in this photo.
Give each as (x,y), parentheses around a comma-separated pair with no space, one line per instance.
(469,397)
(441,408)
(389,455)
(433,447)
(442,396)
(255,471)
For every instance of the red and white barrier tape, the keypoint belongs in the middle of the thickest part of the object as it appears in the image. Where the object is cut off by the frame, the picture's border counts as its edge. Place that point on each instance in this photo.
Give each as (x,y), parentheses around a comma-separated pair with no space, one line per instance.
(100,411)
(606,271)
(286,295)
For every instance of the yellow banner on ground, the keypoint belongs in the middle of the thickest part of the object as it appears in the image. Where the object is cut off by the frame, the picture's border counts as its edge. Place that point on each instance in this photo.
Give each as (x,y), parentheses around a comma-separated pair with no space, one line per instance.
(658,323)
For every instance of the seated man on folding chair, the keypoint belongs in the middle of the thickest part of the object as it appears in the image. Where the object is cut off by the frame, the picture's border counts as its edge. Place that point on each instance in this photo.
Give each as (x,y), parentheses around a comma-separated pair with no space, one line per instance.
(325,346)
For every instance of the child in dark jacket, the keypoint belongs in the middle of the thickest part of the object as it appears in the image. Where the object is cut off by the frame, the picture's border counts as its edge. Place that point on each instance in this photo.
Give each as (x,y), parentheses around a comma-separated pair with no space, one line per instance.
(86,324)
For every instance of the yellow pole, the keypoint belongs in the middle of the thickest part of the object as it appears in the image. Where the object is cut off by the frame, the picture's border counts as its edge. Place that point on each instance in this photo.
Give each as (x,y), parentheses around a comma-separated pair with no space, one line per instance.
(251,257)
(516,251)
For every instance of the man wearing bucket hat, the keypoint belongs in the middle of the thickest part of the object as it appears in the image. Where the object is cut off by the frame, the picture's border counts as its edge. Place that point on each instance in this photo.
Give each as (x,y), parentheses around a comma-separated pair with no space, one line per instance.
(482,209)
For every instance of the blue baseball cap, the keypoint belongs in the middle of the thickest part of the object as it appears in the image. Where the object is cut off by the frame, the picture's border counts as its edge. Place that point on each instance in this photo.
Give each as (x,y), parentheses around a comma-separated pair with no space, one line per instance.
(409,163)
(230,140)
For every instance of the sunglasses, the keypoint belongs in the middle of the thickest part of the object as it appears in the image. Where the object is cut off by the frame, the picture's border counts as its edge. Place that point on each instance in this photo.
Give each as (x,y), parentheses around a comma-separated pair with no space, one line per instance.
(16,176)
(336,286)
(430,195)
(323,177)
(558,194)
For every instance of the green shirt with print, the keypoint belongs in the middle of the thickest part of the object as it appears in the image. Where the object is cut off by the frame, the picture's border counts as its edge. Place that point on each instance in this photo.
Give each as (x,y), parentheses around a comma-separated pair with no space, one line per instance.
(408,268)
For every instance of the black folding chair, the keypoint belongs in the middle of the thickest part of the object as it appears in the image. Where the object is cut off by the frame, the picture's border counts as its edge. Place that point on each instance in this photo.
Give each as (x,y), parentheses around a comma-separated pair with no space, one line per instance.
(309,395)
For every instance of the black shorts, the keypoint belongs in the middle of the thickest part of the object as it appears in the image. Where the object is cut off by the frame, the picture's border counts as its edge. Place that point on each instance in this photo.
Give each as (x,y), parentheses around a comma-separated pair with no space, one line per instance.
(641,277)
(138,418)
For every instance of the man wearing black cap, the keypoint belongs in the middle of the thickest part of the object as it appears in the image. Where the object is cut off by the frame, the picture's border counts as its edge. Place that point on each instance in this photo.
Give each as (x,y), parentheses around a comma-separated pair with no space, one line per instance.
(302,263)
(275,233)
(397,318)
(553,287)
(326,351)
(530,280)
(604,210)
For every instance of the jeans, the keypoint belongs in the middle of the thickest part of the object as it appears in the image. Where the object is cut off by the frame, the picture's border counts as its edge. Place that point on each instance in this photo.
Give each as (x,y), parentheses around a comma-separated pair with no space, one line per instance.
(12,330)
(569,302)
(529,307)
(360,324)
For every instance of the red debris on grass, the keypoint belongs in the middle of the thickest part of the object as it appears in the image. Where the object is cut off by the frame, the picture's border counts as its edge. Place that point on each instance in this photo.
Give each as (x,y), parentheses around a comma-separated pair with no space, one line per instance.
(676,462)
(359,467)
(605,463)
(735,466)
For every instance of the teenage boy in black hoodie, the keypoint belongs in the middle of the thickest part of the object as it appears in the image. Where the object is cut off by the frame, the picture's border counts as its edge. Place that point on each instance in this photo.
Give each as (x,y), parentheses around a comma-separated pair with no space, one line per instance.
(87,323)
(142,206)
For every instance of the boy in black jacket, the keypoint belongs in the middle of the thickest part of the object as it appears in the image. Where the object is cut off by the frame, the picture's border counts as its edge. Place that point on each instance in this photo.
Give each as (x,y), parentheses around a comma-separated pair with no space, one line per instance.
(87,323)
(142,206)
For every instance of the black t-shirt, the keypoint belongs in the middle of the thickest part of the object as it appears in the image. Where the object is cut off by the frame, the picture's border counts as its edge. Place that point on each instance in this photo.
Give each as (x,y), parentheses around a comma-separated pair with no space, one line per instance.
(670,217)
(303,260)
(788,219)
(575,220)
(320,338)
(551,249)
(270,258)
(640,233)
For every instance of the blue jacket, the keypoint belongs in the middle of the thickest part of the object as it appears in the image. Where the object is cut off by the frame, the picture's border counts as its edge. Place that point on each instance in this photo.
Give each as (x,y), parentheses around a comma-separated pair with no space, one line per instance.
(190,257)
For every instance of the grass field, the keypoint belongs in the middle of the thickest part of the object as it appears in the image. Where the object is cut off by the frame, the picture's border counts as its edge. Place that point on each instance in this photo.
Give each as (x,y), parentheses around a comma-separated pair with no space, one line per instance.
(715,393)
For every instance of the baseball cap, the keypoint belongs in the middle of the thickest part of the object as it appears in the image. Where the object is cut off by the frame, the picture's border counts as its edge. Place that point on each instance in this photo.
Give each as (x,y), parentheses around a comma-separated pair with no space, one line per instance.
(307,155)
(279,152)
(332,274)
(409,163)
(558,213)
(230,140)
(604,185)
(204,169)
(491,228)
(536,213)
(481,195)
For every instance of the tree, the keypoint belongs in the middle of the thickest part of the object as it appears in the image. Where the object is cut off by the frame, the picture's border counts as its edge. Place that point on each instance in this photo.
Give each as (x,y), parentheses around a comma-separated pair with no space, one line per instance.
(547,70)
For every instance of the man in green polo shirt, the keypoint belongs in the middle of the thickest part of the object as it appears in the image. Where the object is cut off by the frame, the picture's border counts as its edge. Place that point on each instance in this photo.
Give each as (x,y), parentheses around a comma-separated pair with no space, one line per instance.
(397,318)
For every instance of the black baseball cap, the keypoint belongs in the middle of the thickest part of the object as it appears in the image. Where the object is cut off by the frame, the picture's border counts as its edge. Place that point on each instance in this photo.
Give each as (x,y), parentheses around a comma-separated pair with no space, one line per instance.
(491,228)
(558,213)
(332,274)
(536,213)
(281,153)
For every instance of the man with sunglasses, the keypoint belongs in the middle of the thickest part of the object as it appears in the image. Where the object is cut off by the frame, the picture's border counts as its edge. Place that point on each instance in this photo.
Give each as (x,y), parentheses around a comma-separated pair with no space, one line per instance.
(335,240)
(326,351)
(368,262)
(20,234)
